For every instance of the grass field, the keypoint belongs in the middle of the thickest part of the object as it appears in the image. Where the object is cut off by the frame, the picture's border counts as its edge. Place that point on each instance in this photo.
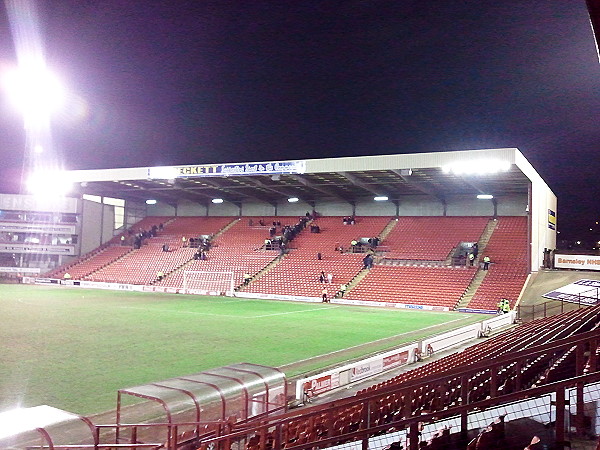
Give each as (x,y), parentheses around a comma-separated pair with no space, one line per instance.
(74,348)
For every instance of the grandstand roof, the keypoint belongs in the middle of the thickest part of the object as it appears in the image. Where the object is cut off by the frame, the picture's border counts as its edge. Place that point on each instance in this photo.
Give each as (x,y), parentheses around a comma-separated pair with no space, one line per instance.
(438,174)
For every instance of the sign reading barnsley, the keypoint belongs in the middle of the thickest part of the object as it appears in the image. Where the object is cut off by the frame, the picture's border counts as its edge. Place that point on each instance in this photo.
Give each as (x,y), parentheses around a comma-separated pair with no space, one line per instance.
(224,170)
(585,262)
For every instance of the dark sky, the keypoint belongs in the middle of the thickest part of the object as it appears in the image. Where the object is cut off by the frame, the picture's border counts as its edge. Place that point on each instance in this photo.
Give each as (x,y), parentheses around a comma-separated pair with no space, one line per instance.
(186,82)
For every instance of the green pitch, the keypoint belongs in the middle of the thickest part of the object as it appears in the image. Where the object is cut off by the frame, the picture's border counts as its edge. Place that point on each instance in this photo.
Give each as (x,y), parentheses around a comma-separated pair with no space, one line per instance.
(74,348)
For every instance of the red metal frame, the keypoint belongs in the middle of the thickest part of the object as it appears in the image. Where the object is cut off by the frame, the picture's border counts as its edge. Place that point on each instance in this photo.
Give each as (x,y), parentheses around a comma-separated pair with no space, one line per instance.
(486,371)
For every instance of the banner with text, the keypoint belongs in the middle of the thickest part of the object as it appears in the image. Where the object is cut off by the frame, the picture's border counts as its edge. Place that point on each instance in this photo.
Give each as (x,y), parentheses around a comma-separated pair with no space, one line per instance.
(225,170)
(582,262)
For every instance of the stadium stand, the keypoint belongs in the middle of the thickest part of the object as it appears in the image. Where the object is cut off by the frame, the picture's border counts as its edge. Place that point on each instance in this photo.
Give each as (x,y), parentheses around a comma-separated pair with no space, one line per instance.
(431,238)
(298,272)
(509,366)
(99,259)
(508,271)
(435,286)
(141,266)
(240,250)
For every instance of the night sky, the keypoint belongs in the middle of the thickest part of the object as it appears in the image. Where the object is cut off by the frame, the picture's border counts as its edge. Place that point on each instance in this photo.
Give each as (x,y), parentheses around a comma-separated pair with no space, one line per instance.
(186,82)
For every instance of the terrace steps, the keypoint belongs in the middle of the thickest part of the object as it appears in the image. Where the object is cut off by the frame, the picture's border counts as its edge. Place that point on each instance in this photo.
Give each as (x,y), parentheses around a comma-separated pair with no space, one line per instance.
(472,289)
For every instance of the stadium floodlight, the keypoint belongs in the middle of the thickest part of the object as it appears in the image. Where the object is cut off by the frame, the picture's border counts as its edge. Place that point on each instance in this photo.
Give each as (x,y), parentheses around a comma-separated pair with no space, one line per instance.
(380,198)
(485,196)
(477,167)
(151,201)
(49,184)
(293,199)
(34,90)
(217,200)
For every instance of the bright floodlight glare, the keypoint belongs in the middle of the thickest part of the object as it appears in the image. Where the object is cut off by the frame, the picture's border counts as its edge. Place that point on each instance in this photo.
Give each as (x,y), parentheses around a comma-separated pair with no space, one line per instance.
(162,173)
(217,200)
(477,167)
(34,89)
(150,201)
(293,199)
(38,149)
(19,420)
(485,196)
(380,198)
(49,184)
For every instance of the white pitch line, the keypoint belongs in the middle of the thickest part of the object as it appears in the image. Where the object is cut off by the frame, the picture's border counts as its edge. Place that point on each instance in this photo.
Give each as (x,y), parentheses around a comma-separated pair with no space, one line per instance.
(294,312)
(372,342)
(197,313)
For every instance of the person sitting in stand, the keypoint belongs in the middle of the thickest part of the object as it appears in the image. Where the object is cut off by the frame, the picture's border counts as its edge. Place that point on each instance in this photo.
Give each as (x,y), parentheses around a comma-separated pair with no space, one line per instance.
(67,276)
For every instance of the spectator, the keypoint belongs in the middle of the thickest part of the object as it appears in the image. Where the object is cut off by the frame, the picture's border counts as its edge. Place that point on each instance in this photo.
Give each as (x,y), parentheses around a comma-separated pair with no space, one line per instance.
(322,277)
(319,256)
(343,288)
(486,262)
(183,241)
(329,278)
(324,295)
(247,278)
(160,275)
(165,247)
(67,276)
(123,240)
(471,258)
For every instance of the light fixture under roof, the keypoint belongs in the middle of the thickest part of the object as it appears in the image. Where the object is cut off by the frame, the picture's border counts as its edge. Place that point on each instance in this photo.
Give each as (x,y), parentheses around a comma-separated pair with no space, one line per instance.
(151,201)
(485,196)
(217,200)
(477,167)
(293,199)
(380,198)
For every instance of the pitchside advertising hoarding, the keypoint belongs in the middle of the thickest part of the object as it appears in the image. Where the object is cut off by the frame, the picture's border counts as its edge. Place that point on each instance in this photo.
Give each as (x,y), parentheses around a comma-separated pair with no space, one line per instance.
(581,262)
(582,291)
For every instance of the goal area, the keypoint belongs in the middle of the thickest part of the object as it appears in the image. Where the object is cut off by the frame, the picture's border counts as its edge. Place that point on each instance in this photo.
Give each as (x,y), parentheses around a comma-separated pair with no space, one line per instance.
(208,283)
